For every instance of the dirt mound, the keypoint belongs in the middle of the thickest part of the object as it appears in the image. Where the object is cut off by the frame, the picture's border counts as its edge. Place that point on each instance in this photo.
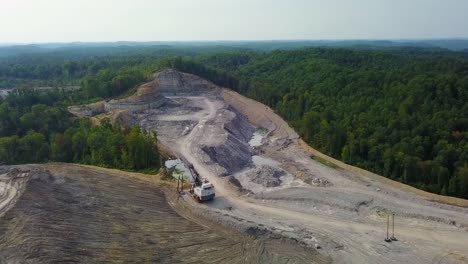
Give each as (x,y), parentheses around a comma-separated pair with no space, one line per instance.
(266,176)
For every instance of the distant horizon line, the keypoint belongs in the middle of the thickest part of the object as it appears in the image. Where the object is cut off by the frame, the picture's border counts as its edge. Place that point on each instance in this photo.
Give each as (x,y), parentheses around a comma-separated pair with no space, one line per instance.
(227,40)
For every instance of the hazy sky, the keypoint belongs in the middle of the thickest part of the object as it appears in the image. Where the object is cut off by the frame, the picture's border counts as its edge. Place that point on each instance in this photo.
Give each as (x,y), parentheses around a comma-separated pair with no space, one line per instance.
(144,20)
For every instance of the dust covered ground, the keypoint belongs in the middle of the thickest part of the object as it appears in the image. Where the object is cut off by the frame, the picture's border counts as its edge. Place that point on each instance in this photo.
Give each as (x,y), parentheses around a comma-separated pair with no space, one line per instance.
(72,214)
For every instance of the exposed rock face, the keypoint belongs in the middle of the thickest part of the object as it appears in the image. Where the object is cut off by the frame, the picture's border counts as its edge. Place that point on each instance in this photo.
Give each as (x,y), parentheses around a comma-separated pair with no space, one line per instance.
(168,82)
(133,106)
(174,82)
(233,155)
(231,151)
(239,126)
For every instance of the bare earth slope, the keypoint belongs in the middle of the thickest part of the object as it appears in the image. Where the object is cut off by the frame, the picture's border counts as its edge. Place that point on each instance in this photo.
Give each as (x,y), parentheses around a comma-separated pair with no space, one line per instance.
(341,211)
(70,214)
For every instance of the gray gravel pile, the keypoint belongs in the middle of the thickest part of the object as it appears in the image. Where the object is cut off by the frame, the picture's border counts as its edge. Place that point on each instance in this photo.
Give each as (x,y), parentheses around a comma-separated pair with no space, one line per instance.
(266,176)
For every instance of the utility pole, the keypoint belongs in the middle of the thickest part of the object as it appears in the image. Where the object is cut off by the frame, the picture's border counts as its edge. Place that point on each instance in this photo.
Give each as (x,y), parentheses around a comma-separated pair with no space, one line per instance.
(393,228)
(181,184)
(178,193)
(387,239)
(178,183)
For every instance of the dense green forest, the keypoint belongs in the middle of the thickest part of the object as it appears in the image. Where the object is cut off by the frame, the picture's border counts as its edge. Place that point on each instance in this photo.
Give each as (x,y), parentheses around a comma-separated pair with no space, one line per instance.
(36,127)
(400,112)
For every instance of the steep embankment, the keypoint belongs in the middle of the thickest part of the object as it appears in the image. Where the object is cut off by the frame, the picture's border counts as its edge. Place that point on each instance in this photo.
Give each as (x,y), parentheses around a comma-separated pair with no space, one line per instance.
(260,115)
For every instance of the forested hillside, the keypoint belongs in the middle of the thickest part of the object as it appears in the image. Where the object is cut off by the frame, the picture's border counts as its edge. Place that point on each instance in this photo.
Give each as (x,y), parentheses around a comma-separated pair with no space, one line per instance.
(402,113)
